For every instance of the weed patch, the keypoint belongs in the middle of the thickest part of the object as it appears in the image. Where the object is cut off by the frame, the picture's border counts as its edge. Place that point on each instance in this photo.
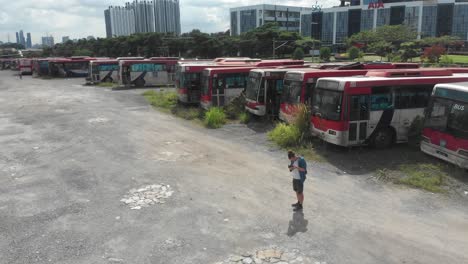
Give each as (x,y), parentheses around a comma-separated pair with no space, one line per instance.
(215,118)
(244,117)
(429,177)
(285,135)
(187,113)
(235,108)
(106,84)
(163,99)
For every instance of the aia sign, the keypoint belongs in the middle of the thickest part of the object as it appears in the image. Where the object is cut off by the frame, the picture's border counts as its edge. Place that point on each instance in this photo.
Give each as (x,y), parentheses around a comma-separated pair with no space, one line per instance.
(376,4)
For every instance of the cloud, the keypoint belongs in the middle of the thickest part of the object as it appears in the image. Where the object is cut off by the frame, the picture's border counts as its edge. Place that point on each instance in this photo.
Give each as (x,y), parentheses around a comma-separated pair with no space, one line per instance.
(82,18)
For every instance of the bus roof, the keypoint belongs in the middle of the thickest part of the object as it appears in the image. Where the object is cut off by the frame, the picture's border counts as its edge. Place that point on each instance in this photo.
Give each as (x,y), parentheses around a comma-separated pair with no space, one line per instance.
(460,86)
(366,81)
(165,58)
(96,62)
(228,70)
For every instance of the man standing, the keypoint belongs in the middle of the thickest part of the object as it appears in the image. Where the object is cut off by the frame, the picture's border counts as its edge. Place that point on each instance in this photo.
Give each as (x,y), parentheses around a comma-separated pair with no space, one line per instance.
(298,169)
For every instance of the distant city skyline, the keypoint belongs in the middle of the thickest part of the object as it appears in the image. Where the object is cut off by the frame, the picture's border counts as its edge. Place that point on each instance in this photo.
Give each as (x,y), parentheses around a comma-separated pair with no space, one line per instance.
(79,19)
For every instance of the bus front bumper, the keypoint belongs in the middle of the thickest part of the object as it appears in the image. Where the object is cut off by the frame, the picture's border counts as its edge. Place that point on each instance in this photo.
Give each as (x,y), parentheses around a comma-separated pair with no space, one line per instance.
(444,154)
(259,111)
(339,138)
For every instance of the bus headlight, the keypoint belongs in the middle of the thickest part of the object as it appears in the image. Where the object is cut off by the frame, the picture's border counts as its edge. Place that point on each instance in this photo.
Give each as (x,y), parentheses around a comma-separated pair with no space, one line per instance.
(463,152)
(332,132)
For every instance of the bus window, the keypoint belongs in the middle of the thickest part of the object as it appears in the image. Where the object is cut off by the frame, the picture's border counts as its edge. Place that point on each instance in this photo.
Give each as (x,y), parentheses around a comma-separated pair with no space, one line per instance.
(381,98)
(458,120)
(413,97)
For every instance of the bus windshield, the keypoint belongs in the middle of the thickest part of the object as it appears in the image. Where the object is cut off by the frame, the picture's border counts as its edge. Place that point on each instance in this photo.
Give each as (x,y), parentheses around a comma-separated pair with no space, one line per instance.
(446,115)
(187,80)
(327,104)
(253,86)
(292,92)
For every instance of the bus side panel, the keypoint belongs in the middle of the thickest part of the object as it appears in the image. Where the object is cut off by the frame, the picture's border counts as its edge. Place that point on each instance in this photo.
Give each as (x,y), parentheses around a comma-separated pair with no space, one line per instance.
(157,78)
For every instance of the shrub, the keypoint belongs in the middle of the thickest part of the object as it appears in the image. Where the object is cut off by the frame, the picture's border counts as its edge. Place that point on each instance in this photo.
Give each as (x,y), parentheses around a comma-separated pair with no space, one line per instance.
(432,54)
(244,117)
(285,135)
(302,120)
(298,54)
(235,107)
(325,53)
(353,53)
(166,100)
(446,60)
(215,118)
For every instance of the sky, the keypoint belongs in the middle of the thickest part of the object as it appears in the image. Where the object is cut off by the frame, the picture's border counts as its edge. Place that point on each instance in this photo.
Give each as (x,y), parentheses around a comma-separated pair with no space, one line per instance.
(82,18)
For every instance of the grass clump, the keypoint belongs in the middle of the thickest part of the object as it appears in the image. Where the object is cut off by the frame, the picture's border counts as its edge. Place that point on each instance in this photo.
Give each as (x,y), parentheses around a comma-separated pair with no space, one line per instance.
(187,113)
(285,135)
(244,117)
(235,108)
(163,99)
(106,84)
(429,177)
(215,118)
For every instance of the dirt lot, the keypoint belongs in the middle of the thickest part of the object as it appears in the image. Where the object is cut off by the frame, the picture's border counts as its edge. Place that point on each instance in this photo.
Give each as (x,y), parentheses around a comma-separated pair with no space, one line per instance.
(70,154)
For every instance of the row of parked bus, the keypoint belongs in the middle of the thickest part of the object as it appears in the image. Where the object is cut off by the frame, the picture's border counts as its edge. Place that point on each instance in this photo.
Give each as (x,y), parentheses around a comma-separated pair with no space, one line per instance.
(358,104)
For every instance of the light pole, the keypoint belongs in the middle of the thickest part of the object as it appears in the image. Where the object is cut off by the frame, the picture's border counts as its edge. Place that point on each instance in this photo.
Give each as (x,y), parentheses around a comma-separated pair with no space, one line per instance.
(313,43)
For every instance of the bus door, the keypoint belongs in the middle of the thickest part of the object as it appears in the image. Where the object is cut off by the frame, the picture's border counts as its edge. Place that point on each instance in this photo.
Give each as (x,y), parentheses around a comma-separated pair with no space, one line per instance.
(358,119)
(218,91)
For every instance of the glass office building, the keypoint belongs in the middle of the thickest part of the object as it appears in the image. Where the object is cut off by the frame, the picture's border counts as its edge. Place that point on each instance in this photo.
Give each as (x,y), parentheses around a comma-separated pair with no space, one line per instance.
(429,18)
(288,18)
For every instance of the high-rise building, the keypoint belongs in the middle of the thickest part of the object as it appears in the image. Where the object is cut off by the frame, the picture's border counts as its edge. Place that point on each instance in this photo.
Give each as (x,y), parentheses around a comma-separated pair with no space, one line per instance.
(22,39)
(428,18)
(246,18)
(48,41)
(28,41)
(142,17)
(167,16)
(120,21)
(65,39)
(17,38)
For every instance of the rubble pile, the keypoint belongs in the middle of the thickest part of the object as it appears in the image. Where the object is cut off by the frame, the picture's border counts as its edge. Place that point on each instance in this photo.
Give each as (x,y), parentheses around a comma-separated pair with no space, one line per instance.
(146,196)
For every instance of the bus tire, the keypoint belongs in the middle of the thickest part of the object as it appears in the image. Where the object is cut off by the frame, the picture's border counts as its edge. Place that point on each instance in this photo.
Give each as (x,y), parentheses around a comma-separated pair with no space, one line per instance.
(140,83)
(383,138)
(107,80)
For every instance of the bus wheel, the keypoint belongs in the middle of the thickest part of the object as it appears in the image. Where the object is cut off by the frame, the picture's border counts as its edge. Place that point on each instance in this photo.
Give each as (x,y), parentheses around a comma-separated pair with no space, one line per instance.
(383,138)
(140,83)
(107,80)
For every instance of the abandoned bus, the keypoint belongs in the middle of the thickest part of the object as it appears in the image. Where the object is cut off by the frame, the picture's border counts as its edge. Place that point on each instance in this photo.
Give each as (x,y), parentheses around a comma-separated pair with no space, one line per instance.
(221,85)
(299,84)
(377,109)
(170,64)
(103,71)
(264,89)
(189,75)
(25,66)
(445,133)
(141,73)
(69,67)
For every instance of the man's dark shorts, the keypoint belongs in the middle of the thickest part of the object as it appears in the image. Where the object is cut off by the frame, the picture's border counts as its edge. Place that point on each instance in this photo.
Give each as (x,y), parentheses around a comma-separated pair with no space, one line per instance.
(298,186)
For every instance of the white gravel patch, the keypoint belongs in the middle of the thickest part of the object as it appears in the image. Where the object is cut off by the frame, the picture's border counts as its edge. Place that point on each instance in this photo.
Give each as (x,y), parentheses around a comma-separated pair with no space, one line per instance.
(98,120)
(146,196)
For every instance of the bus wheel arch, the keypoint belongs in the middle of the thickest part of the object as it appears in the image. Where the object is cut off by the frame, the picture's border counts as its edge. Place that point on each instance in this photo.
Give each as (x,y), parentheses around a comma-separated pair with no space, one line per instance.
(140,83)
(384,137)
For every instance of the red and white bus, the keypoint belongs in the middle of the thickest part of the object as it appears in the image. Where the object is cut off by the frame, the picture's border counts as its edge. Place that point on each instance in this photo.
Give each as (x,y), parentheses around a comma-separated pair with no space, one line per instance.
(69,67)
(141,73)
(221,85)
(189,74)
(25,66)
(445,133)
(170,63)
(103,71)
(377,109)
(299,84)
(264,90)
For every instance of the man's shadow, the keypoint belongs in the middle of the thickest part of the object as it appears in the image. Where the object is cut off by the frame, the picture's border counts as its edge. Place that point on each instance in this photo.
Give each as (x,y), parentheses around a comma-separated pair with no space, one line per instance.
(297,224)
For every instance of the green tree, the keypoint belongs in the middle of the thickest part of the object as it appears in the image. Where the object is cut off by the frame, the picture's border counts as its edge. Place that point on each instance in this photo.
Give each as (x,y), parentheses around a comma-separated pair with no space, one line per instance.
(380,48)
(325,53)
(353,53)
(298,54)
(409,50)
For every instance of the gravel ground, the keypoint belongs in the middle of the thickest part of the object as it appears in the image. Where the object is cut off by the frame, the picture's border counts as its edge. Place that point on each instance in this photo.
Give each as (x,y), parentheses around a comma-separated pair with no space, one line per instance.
(73,156)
